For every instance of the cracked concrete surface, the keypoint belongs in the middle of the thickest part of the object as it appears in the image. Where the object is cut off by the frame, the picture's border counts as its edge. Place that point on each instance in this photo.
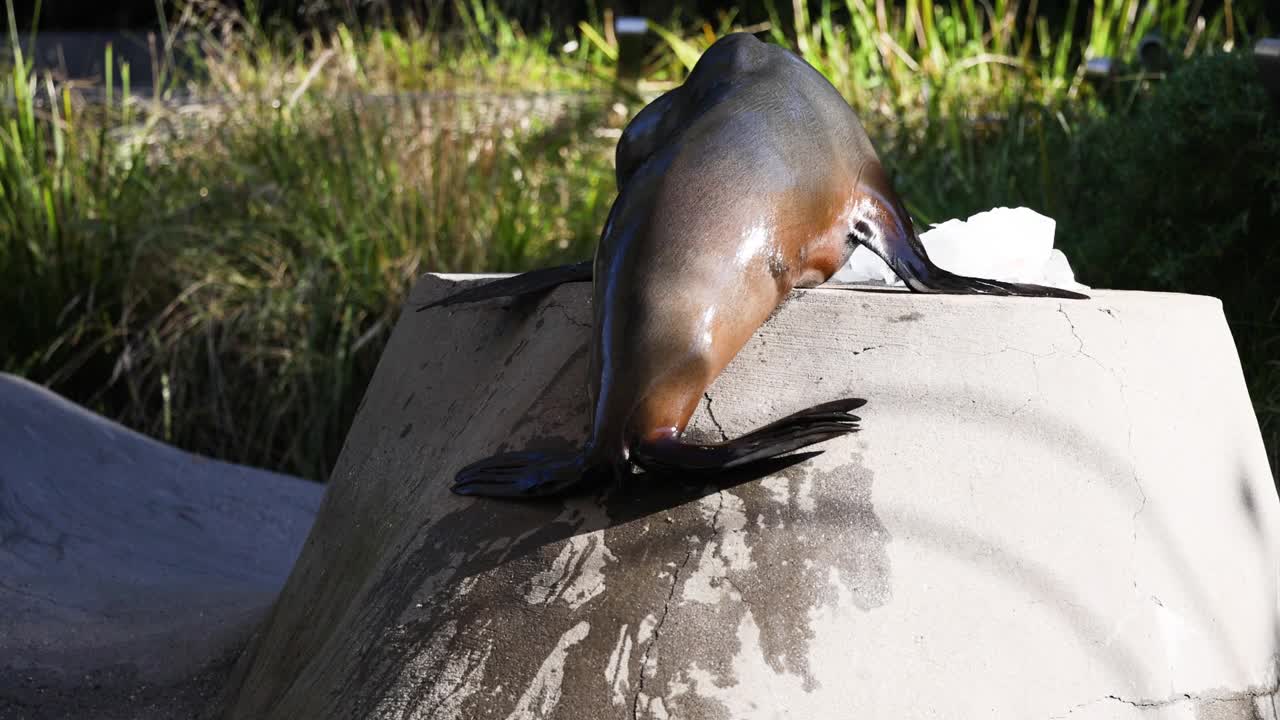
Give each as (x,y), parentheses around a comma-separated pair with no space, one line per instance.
(1041,517)
(712,417)
(657,635)
(1259,705)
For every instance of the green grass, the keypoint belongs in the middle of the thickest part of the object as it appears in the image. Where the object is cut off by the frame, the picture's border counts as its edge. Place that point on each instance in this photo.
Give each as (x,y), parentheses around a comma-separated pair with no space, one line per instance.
(484,50)
(223,274)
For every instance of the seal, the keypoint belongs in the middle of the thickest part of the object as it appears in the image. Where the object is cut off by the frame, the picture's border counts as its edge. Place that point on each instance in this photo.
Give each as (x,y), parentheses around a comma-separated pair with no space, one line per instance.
(752,178)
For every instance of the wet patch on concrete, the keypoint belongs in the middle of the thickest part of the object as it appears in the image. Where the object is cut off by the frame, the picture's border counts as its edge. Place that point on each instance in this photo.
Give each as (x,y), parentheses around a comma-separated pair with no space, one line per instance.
(656,597)
(781,554)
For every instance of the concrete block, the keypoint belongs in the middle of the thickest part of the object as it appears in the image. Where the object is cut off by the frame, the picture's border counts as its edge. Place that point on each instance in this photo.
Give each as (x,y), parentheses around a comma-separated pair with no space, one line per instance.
(1054,509)
(128,568)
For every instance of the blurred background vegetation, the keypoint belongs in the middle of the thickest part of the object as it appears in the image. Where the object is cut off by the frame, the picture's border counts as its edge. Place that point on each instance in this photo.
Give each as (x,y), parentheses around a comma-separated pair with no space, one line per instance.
(217,258)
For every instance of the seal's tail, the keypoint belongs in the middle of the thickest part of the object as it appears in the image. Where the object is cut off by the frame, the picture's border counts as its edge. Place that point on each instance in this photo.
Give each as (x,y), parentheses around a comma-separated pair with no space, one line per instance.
(526,474)
(530,282)
(802,429)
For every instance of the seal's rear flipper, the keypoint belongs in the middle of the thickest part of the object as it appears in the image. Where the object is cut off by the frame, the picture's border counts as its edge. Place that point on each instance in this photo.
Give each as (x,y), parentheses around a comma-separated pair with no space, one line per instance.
(531,473)
(805,428)
(530,282)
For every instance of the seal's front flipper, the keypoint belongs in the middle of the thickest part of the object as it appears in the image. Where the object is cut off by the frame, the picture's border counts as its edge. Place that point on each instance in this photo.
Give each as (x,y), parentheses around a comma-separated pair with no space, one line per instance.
(879,222)
(528,474)
(530,282)
(805,428)
(938,280)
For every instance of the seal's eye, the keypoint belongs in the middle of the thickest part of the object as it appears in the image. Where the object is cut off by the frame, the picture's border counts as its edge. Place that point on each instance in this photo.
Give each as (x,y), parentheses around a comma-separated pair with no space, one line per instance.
(861,231)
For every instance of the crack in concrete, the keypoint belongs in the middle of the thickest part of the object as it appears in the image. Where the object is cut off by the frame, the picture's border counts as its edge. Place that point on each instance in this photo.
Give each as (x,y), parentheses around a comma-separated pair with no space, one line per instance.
(1128,414)
(666,608)
(993,353)
(657,633)
(1133,464)
(565,312)
(1079,340)
(1039,393)
(723,435)
(1247,695)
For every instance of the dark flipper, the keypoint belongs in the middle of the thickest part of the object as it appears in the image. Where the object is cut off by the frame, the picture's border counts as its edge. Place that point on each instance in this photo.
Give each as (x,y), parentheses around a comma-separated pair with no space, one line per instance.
(937,280)
(530,282)
(906,256)
(807,427)
(527,474)
(884,228)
